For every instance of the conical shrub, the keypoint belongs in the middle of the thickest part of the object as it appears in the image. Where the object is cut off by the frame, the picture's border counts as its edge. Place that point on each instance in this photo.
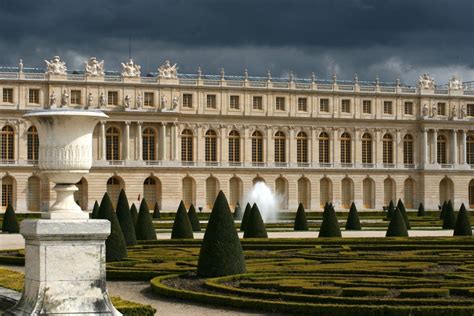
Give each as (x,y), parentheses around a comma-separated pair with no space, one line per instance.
(194,219)
(245,218)
(255,227)
(330,225)
(115,246)
(421,210)
(397,227)
(145,229)
(182,228)
(443,210)
(134,212)
(10,222)
(449,219)
(403,211)
(391,208)
(238,212)
(221,252)
(95,210)
(353,222)
(125,219)
(301,223)
(463,224)
(156,211)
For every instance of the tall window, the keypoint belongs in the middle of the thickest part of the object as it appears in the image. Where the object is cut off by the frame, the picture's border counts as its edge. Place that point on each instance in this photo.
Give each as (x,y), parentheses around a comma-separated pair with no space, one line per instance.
(324,105)
(387,142)
(33,194)
(235,191)
(280,147)
(149,191)
(211,146)
(280,104)
(408,108)
(470,149)
(7,95)
(234,102)
(234,146)
(189,191)
(302,104)
(346,106)
(112,143)
(441,108)
(113,189)
(187,145)
(211,101)
(257,147)
(149,141)
(112,98)
(257,103)
(8,143)
(471,194)
(212,189)
(149,99)
(366,148)
(470,110)
(75,96)
(387,107)
(323,148)
(302,147)
(32,143)
(345,148)
(187,100)
(408,149)
(441,149)
(366,106)
(33,96)
(7,192)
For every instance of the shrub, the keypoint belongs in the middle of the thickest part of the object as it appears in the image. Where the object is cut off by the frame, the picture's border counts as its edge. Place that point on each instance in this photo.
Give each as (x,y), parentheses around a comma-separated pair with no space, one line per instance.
(182,228)
(301,223)
(421,210)
(390,210)
(449,219)
(463,224)
(156,211)
(134,212)
(255,226)
(330,225)
(125,219)
(353,222)
(10,222)
(221,252)
(245,218)
(194,219)
(424,292)
(95,210)
(145,229)
(403,211)
(115,246)
(364,291)
(397,227)
(238,212)
(443,210)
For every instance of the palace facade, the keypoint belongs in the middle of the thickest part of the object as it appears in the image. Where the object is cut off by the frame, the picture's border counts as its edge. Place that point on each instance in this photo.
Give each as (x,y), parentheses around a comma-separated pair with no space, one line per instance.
(173,136)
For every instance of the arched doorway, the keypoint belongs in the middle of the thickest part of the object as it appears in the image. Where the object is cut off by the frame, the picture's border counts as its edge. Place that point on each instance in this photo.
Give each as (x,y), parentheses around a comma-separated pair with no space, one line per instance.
(446,190)
(114,185)
(189,191)
(325,191)
(235,189)
(152,191)
(8,192)
(368,188)
(212,188)
(304,192)
(33,195)
(389,191)
(281,189)
(409,193)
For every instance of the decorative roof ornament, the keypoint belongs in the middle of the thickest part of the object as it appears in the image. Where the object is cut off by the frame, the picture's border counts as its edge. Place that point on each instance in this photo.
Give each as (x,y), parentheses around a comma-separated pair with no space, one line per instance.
(398,81)
(199,73)
(167,71)
(131,70)
(377,80)
(269,75)
(56,66)
(20,65)
(94,68)
(356,79)
(426,82)
(246,74)
(291,76)
(334,78)
(222,73)
(313,77)
(455,83)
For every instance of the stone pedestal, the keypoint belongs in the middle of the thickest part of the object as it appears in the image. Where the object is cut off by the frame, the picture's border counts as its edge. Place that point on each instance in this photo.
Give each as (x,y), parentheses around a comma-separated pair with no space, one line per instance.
(65,268)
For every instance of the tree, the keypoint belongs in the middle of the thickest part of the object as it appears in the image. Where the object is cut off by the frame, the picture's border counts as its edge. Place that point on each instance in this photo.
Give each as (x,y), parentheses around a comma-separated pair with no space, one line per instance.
(238,212)
(421,210)
(397,227)
(330,225)
(463,224)
(134,212)
(390,209)
(115,246)
(125,219)
(221,252)
(255,227)
(95,210)
(449,219)
(301,223)
(353,222)
(10,222)
(145,229)
(156,211)
(245,218)
(403,211)
(182,228)
(194,219)
(443,210)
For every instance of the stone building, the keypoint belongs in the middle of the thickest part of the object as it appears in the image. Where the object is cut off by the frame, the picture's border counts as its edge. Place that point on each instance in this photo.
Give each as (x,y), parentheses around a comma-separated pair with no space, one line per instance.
(174,136)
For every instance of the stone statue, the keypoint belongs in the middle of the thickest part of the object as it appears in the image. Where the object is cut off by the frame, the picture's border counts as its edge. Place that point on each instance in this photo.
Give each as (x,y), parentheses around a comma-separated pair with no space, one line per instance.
(102,100)
(56,66)
(94,68)
(175,102)
(64,99)
(164,102)
(139,101)
(463,111)
(52,100)
(425,110)
(127,102)
(89,100)
(455,83)
(434,110)
(131,70)
(454,112)
(426,82)
(168,71)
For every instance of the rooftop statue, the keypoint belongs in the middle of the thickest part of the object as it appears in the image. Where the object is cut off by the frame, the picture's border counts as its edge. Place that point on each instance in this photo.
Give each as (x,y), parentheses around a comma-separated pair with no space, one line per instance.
(130,69)
(56,66)
(168,71)
(455,83)
(426,82)
(94,68)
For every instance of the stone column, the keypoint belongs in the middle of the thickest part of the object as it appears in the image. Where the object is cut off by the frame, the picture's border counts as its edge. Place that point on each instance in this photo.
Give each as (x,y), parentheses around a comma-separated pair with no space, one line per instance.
(270,159)
(139,141)
(434,147)
(333,142)
(398,155)
(163,141)
(103,146)
(454,147)
(314,158)
(291,151)
(463,147)
(424,147)
(126,152)
(174,136)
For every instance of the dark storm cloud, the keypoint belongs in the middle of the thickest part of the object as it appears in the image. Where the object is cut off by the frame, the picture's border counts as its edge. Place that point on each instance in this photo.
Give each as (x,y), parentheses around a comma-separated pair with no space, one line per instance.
(388,38)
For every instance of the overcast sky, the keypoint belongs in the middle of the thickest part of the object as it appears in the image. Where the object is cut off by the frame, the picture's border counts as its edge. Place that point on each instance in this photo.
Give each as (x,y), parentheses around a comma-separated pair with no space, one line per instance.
(388,38)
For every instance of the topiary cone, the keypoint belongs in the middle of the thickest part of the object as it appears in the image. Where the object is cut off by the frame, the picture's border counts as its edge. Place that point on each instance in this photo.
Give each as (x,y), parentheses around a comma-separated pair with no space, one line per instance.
(115,247)
(238,212)
(421,210)
(95,210)
(330,225)
(245,218)
(10,222)
(125,219)
(449,219)
(390,210)
(353,222)
(145,229)
(403,211)
(397,227)
(156,211)
(301,223)
(463,224)
(134,213)
(182,228)
(194,219)
(221,252)
(443,210)
(255,227)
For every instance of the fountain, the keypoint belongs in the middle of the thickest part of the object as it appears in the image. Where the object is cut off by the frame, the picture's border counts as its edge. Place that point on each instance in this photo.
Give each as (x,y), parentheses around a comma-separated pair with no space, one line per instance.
(64,251)
(267,202)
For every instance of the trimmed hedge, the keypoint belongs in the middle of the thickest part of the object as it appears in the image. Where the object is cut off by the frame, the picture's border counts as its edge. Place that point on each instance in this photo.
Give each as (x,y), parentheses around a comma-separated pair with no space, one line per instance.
(463,224)
(95,210)
(364,291)
(255,226)
(449,219)
(182,228)
(443,210)
(353,222)
(125,219)
(390,209)
(397,227)
(156,211)
(424,292)
(245,218)
(421,210)
(194,219)
(10,222)
(145,229)
(330,225)
(134,212)
(301,223)
(403,211)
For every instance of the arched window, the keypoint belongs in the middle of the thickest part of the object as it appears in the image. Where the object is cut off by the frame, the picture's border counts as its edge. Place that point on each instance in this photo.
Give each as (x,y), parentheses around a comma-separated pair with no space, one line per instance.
(8,143)
(150,190)
(257,180)
(441,149)
(234,146)
(471,194)
(212,188)
(347,190)
(446,190)
(368,187)
(389,191)
(80,196)
(366,148)
(325,190)
(34,194)
(187,146)
(114,185)
(281,189)
(8,192)
(324,148)
(470,149)
(112,143)
(257,147)
(409,194)
(408,149)
(211,146)
(32,144)
(149,144)
(304,192)
(345,148)
(189,191)
(387,155)
(280,147)
(302,147)
(235,186)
